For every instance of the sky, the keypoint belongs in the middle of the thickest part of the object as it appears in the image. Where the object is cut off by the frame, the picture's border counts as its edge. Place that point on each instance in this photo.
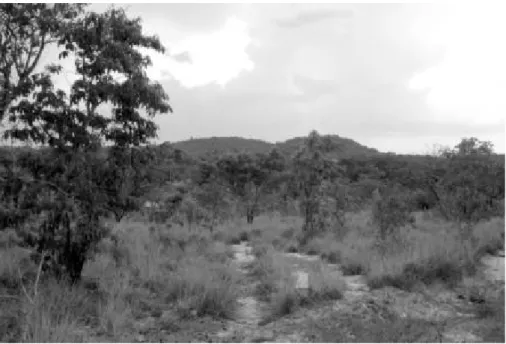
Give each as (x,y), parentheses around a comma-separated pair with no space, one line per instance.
(395,77)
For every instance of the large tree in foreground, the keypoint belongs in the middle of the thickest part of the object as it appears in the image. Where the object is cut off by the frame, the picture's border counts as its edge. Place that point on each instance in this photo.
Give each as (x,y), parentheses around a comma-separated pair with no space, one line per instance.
(107,103)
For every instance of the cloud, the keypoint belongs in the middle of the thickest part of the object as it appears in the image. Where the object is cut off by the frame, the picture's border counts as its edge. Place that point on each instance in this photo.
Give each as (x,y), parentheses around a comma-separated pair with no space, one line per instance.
(311,89)
(310,17)
(201,59)
(183,57)
(395,77)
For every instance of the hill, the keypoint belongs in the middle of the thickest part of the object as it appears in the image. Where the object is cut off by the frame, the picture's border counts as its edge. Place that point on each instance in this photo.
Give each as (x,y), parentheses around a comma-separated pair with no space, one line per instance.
(344,147)
(203,146)
(218,145)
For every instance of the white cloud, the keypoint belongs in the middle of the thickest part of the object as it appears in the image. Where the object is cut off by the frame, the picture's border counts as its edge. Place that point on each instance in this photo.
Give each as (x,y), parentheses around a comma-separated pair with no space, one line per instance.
(216,57)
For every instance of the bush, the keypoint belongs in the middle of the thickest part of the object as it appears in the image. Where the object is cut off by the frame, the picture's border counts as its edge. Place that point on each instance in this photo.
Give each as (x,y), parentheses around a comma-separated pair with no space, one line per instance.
(489,236)
(426,258)
(390,212)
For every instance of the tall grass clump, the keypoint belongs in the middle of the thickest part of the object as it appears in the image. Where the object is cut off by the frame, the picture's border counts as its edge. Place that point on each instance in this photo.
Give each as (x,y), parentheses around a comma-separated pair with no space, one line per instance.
(325,284)
(188,271)
(199,287)
(56,313)
(489,236)
(424,259)
(409,256)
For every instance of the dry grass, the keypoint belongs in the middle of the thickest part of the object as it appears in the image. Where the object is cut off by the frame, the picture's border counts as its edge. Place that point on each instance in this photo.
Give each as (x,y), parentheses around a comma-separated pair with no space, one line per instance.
(489,235)
(277,281)
(277,231)
(159,268)
(325,284)
(199,287)
(56,314)
(145,269)
(114,284)
(11,260)
(431,252)
(187,269)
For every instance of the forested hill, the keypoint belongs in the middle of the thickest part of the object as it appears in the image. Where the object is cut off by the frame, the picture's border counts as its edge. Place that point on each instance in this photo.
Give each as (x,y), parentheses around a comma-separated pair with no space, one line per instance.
(218,145)
(344,147)
(203,146)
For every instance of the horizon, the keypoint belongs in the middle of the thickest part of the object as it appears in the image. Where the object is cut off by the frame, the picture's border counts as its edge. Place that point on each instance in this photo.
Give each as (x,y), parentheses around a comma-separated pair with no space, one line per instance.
(427,151)
(395,77)
(430,150)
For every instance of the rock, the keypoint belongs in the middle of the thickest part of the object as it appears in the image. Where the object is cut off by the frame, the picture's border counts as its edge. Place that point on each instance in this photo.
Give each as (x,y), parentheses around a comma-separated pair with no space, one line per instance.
(302,280)
(140,338)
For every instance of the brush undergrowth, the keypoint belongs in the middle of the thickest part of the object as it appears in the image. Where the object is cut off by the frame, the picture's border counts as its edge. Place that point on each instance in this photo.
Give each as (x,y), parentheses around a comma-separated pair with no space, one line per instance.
(140,271)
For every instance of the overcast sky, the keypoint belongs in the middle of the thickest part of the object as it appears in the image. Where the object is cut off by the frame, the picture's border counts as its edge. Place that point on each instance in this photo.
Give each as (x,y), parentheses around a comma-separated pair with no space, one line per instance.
(396,77)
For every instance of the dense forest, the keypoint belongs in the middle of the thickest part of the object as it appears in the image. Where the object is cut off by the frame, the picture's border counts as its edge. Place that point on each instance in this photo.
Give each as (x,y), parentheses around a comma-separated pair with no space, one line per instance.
(75,174)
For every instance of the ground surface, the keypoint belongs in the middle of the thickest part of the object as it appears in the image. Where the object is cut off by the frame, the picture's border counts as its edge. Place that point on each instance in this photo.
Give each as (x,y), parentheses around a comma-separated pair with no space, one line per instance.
(384,315)
(435,314)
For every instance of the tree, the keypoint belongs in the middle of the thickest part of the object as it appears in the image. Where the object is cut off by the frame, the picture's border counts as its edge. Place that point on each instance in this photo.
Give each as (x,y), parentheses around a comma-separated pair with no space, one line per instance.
(390,211)
(313,169)
(111,69)
(250,177)
(26,31)
(471,189)
(473,146)
(124,176)
(468,183)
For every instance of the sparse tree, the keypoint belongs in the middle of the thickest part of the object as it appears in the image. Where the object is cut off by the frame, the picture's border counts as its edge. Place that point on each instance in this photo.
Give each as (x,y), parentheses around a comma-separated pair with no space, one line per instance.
(313,168)
(249,177)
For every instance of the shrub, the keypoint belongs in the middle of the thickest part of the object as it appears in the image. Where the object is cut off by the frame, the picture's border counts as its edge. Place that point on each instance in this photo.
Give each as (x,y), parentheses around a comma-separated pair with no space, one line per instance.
(428,258)
(489,236)
(390,212)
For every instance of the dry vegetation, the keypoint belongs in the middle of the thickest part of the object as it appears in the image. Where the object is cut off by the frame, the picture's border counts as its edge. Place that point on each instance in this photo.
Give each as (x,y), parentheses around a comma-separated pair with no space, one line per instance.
(107,237)
(149,270)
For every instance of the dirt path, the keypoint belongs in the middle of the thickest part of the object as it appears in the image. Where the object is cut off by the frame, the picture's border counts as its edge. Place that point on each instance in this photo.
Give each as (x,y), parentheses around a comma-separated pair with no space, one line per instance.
(385,315)
(245,327)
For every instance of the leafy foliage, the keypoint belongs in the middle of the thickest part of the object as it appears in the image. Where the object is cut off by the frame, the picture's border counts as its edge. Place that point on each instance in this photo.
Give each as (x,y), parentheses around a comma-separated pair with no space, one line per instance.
(250,178)
(390,212)
(79,186)
(313,169)
(26,31)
